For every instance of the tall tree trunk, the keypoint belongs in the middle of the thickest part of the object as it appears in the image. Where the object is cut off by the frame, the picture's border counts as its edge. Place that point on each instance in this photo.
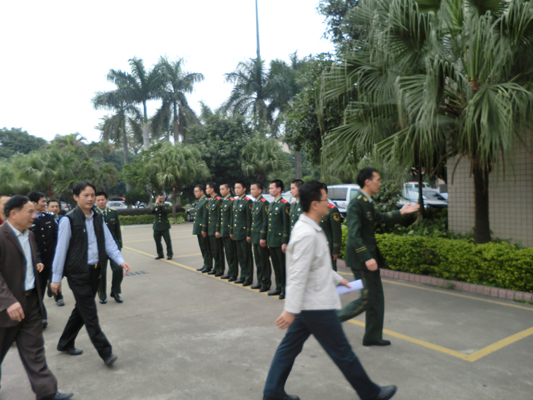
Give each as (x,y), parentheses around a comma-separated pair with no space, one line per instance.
(481,199)
(146,132)
(175,126)
(181,123)
(298,164)
(420,215)
(125,139)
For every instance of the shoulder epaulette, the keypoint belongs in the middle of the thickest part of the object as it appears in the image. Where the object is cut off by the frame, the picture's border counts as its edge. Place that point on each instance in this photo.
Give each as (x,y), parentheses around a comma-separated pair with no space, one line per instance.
(218,198)
(263,199)
(358,197)
(284,201)
(113,209)
(331,206)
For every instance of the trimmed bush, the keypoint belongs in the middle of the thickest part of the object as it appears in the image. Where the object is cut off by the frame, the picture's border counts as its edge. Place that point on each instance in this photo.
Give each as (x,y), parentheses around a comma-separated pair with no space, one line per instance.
(493,264)
(148,219)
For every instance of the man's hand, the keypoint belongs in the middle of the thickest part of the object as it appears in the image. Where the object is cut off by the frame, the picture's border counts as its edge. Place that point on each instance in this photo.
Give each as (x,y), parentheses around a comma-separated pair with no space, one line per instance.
(40,267)
(217,235)
(371,265)
(285,320)
(231,236)
(126,267)
(248,239)
(56,287)
(204,234)
(284,247)
(15,312)
(344,282)
(409,208)
(262,242)
(335,256)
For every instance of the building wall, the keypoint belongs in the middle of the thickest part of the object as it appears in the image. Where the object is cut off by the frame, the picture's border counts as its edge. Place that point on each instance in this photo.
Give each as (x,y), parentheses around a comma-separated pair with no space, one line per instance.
(510,198)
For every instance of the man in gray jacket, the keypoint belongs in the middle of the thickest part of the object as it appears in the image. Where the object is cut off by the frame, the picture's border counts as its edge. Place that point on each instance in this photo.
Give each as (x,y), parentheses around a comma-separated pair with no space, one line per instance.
(311,303)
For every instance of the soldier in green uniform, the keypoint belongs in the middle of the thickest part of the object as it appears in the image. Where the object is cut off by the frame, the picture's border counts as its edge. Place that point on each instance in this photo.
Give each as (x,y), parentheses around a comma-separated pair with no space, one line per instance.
(279,225)
(212,227)
(296,209)
(364,258)
(226,214)
(241,232)
(111,219)
(162,227)
(259,235)
(198,227)
(331,224)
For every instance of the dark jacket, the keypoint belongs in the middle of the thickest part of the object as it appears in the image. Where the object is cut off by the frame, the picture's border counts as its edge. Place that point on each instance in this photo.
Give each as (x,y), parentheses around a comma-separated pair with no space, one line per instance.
(45,230)
(13,273)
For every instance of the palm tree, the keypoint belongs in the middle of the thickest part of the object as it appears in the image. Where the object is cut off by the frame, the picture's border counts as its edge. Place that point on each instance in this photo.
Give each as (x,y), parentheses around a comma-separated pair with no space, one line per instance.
(174,109)
(114,127)
(439,73)
(261,156)
(138,87)
(175,166)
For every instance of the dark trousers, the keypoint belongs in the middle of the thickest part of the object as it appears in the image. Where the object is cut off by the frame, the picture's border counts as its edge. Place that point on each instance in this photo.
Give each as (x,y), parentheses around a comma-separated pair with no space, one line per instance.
(325,326)
(244,255)
(372,301)
(28,334)
(159,247)
(84,287)
(217,253)
(278,263)
(44,276)
(118,275)
(262,266)
(231,256)
(206,252)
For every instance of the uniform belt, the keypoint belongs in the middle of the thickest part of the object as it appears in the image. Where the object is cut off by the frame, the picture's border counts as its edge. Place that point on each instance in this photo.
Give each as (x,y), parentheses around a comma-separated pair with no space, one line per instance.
(93,265)
(29,292)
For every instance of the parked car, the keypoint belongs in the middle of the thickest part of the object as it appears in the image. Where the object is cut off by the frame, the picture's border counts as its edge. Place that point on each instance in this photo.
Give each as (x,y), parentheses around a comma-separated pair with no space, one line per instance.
(65,206)
(117,205)
(341,195)
(122,199)
(432,198)
(191,212)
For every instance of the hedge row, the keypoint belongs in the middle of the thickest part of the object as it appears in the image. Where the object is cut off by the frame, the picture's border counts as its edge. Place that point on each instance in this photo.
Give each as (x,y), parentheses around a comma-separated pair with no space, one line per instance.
(492,264)
(148,219)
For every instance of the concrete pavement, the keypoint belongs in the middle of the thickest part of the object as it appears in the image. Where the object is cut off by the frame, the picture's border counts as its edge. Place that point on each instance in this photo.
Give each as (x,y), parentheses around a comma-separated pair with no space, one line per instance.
(183,335)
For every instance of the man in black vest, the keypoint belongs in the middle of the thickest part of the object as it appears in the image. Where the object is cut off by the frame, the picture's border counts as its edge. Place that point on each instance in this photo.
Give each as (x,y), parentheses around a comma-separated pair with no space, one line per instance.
(84,244)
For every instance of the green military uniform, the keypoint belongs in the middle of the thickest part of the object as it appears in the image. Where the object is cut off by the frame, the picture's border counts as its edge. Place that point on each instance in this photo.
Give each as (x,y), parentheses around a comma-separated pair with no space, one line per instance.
(111,219)
(226,214)
(361,247)
(278,234)
(259,232)
(199,220)
(212,226)
(162,229)
(295,212)
(331,224)
(241,226)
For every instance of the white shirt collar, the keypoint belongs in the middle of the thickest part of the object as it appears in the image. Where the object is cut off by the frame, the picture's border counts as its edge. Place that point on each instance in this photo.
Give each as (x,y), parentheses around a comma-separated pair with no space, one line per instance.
(17,232)
(310,221)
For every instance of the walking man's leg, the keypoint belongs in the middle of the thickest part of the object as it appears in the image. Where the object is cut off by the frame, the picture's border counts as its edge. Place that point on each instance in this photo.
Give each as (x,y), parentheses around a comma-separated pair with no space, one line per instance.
(102,286)
(158,245)
(356,307)
(168,243)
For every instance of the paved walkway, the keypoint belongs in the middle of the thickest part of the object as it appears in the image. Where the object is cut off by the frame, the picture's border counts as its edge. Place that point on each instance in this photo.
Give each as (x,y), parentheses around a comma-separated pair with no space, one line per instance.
(183,335)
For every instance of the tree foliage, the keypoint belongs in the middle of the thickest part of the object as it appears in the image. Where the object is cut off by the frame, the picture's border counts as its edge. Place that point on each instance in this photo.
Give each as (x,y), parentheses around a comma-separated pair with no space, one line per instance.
(17,141)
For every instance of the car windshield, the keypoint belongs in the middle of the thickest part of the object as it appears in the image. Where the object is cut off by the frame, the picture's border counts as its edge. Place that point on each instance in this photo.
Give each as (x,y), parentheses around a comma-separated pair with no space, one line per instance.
(337,193)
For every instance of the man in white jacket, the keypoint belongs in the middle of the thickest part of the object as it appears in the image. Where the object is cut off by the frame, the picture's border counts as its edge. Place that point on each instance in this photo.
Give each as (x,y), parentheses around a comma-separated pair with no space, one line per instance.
(311,303)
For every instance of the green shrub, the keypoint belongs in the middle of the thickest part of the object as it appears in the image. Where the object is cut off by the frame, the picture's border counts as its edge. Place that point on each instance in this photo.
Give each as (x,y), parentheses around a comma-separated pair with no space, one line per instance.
(149,219)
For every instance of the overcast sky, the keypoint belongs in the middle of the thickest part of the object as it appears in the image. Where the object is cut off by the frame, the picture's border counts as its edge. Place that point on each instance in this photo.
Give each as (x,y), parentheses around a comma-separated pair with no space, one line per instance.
(56,54)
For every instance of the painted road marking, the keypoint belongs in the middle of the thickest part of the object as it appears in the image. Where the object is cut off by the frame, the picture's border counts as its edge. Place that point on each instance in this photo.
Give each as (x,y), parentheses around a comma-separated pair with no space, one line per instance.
(467,357)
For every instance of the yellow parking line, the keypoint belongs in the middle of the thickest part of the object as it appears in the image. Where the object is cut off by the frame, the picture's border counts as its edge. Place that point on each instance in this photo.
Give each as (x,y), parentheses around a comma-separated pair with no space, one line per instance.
(464,296)
(467,357)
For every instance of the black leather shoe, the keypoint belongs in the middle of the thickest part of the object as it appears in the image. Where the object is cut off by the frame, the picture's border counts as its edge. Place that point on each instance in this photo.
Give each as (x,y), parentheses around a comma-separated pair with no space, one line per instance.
(232,279)
(169,258)
(276,292)
(286,397)
(240,281)
(212,272)
(49,292)
(264,289)
(247,283)
(386,392)
(117,297)
(258,286)
(61,396)
(200,269)
(71,352)
(225,277)
(377,343)
(206,271)
(219,274)
(282,296)
(110,360)
(60,303)
(159,257)
(45,323)
(104,301)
